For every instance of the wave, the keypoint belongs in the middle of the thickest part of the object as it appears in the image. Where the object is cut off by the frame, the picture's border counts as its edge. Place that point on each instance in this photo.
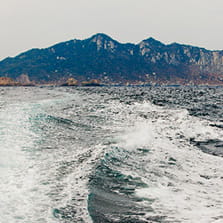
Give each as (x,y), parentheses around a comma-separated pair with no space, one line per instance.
(157,170)
(111,155)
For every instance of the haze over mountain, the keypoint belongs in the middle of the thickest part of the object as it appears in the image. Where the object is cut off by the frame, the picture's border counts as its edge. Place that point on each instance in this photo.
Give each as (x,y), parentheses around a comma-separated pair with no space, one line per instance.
(101,57)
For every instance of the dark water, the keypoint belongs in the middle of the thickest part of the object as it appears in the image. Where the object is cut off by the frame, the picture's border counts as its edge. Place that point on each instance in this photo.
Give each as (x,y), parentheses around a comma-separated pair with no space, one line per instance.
(107,155)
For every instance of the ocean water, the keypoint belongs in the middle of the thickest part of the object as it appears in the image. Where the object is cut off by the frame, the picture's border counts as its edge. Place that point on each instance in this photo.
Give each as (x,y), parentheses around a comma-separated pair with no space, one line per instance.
(111,155)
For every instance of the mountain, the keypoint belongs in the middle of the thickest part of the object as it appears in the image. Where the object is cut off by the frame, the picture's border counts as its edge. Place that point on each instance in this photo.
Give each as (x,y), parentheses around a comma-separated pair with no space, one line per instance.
(101,57)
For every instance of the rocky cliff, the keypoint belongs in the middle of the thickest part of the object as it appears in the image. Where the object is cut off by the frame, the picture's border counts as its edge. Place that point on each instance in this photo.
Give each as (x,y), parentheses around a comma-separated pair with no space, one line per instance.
(6,81)
(101,57)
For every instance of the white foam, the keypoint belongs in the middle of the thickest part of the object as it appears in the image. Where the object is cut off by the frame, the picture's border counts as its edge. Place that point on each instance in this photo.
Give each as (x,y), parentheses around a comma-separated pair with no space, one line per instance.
(184,182)
(29,186)
(141,135)
(19,200)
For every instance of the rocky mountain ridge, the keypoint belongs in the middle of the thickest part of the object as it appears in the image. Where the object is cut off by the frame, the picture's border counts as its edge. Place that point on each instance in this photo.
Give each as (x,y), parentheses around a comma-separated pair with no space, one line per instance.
(101,57)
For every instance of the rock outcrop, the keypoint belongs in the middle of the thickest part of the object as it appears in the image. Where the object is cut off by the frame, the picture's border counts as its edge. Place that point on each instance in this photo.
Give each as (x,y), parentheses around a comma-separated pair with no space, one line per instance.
(24,80)
(71,82)
(93,82)
(6,81)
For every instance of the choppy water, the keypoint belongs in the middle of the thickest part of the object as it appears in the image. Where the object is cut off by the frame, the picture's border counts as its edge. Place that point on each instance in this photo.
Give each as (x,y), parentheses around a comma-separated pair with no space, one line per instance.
(107,155)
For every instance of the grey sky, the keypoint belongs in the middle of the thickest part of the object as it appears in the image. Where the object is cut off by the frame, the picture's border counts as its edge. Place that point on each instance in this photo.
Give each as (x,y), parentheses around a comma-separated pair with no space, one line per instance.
(29,24)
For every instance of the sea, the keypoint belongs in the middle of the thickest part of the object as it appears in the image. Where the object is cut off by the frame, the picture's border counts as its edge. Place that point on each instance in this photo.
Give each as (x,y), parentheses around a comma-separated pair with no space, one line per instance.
(111,154)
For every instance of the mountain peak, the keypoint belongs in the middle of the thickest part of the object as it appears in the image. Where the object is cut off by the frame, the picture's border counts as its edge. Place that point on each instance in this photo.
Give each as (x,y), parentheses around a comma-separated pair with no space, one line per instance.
(153,42)
(101,36)
(103,41)
(149,44)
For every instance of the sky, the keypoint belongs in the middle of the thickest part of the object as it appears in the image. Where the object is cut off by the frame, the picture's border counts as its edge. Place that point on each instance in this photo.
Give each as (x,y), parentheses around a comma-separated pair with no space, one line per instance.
(27,24)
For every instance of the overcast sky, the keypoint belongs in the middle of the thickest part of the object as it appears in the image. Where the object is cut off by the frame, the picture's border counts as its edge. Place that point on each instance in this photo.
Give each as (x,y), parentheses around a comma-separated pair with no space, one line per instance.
(29,24)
